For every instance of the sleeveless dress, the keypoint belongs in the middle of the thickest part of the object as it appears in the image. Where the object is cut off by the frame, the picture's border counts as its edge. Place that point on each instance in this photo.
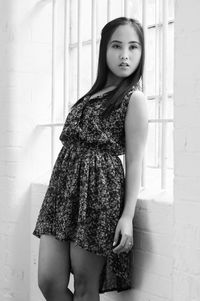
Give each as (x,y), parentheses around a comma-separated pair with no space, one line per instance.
(86,191)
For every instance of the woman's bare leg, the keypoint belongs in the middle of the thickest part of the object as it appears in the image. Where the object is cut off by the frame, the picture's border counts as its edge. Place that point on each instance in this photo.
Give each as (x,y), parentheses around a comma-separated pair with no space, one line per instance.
(87,268)
(54,269)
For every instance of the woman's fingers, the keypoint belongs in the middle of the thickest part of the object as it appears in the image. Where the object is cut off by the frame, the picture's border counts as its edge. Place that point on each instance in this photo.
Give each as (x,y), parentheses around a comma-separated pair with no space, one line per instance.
(117,236)
(125,245)
(129,245)
(120,246)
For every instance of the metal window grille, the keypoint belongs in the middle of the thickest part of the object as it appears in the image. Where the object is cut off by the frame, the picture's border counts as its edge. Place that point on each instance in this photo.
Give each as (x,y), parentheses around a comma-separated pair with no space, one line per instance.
(62,16)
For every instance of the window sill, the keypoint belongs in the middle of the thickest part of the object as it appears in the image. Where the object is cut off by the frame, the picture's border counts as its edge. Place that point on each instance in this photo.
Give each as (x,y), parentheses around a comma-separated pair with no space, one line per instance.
(162,196)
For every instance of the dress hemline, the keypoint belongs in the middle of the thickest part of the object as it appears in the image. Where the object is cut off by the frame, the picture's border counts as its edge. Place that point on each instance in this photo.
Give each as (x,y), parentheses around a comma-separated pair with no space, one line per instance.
(38,234)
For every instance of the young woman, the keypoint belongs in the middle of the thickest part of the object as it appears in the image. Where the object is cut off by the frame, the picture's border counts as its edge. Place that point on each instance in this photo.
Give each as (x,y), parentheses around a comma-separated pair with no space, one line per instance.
(85,223)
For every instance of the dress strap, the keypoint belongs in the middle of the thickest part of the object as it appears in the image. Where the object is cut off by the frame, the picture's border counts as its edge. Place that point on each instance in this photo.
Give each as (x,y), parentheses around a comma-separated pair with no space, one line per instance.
(126,99)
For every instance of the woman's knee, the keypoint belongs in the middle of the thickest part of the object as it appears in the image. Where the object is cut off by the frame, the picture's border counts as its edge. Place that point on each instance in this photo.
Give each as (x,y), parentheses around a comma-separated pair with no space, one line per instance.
(84,285)
(45,284)
(53,266)
(87,268)
(50,286)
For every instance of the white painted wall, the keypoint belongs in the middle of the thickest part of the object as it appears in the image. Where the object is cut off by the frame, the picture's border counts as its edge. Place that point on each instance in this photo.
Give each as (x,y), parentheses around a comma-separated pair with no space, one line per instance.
(25,69)
(186,273)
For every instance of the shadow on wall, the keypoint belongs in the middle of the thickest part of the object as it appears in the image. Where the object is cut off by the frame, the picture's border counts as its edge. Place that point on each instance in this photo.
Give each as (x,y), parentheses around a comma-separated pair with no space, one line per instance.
(36,9)
(15,129)
(14,213)
(21,247)
(5,65)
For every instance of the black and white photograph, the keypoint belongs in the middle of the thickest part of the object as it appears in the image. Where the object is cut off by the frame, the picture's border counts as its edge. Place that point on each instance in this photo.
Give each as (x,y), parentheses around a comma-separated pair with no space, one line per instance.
(99,150)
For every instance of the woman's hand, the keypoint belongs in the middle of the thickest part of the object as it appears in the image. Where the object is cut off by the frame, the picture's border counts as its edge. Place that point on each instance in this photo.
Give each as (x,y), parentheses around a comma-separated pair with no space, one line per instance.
(124,232)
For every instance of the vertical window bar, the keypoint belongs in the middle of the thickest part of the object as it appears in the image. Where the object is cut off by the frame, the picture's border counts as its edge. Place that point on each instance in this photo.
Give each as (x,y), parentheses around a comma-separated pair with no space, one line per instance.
(53,83)
(156,62)
(108,10)
(144,83)
(79,50)
(159,103)
(66,59)
(156,48)
(94,40)
(164,93)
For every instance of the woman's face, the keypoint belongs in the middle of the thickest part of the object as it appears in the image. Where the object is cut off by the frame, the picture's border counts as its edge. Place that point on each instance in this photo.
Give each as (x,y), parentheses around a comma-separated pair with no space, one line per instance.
(123,53)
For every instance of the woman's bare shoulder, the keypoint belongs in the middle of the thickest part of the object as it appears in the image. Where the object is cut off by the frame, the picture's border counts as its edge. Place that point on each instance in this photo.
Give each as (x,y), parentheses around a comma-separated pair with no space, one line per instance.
(137,108)
(137,99)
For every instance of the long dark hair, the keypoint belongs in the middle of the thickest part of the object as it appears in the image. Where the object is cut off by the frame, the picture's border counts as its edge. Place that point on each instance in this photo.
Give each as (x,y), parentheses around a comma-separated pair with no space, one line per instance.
(127,83)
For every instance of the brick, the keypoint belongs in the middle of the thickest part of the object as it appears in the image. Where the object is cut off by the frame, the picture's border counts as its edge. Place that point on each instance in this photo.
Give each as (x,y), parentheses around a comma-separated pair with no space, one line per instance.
(187,115)
(156,243)
(153,263)
(2,168)
(40,32)
(153,220)
(193,144)
(13,138)
(12,154)
(190,167)
(187,235)
(152,283)
(13,96)
(36,57)
(187,212)
(185,41)
(7,227)
(11,169)
(187,188)
(185,140)
(182,14)
(137,235)
(180,140)
(129,295)
(186,287)
(190,96)
(187,260)
(21,61)
(11,33)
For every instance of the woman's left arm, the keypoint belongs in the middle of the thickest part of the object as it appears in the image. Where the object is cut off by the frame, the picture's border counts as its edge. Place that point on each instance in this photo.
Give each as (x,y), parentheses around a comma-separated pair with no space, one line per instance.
(136,128)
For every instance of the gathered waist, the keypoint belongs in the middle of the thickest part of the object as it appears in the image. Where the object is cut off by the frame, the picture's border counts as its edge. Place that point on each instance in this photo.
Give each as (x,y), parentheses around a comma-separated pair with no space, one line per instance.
(81,148)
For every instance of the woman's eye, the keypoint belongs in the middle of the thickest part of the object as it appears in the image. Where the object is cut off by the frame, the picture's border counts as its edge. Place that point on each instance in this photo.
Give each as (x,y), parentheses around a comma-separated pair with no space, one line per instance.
(116,46)
(133,47)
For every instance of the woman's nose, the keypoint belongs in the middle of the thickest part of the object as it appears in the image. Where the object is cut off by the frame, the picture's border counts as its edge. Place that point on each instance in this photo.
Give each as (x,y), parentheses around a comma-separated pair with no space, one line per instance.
(124,55)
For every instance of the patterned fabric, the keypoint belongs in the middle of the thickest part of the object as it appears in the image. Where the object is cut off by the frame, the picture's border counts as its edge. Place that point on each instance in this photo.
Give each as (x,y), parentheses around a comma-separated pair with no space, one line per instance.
(85,195)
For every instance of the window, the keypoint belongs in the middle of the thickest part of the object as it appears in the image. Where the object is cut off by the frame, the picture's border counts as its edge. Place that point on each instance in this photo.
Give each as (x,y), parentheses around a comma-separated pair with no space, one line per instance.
(158,86)
(76,26)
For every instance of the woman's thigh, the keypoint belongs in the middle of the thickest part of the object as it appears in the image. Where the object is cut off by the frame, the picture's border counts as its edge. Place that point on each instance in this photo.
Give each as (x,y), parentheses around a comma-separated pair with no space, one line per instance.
(54,262)
(87,268)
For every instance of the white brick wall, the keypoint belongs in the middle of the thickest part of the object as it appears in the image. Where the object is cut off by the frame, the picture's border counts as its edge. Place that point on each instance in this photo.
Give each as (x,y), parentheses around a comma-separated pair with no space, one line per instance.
(25,63)
(186,270)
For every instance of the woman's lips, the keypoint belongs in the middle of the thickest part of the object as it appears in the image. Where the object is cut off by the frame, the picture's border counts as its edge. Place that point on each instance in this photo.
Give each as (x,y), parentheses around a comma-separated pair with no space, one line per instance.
(124,65)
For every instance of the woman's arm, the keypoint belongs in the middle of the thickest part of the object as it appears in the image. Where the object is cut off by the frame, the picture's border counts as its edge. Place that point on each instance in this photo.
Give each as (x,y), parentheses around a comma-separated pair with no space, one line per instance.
(136,127)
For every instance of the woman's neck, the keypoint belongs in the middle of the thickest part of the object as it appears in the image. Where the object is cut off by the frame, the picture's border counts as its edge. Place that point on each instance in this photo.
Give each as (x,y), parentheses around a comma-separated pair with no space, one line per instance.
(112,81)
(109,87)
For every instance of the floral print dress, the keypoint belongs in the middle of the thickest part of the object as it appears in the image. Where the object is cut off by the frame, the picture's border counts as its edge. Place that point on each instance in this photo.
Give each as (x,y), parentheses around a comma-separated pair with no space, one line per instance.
(86,191)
